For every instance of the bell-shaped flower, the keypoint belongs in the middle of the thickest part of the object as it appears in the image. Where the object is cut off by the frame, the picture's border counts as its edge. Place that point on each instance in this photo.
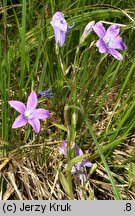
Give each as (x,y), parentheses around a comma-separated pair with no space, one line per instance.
(109,40)
(80,166)
(60,27)
(29,113)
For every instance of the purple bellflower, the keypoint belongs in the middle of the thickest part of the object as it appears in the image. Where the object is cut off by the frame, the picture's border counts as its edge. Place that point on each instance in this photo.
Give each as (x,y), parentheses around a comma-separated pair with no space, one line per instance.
(29,113)
(78,167)
(109,40)
(60,27)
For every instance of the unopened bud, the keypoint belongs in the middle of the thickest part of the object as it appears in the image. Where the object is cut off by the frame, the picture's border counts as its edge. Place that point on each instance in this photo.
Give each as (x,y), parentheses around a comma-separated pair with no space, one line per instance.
(87,30)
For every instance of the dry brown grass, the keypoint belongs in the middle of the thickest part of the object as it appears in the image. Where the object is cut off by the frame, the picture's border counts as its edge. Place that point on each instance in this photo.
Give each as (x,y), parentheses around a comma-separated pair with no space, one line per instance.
(25,178)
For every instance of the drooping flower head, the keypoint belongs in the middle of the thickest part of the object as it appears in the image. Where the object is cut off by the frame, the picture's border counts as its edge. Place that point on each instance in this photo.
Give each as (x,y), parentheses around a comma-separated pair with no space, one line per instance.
(60,27)
(29,113)
(109,40)
(78,167)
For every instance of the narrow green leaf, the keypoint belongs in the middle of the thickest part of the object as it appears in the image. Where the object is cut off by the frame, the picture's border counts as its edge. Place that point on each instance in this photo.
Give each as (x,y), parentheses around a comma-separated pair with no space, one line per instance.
(65,185)
(75,160)
(61,127)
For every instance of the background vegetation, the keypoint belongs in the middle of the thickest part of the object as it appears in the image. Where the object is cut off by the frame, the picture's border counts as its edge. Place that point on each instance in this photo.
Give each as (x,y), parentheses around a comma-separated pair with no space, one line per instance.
(99,92)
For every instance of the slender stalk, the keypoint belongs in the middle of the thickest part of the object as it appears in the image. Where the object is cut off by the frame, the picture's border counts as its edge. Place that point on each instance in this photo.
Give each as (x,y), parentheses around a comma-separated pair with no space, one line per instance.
(23,32)
(19,146)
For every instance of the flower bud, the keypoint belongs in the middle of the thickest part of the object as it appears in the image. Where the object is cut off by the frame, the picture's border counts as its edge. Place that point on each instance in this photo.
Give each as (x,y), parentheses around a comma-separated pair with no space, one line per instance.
(87,30)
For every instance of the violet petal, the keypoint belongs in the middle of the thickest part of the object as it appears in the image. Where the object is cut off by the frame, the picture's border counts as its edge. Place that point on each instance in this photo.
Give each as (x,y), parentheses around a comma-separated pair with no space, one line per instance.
(17,105)
(35,123)
(115,54)
(64,144)
(78,151)
(58,15)
(63,148)
(78,165)
(60,36)
(60,27)
(41,113)
(19,121)
(99,29)
(73,169)
(113,31)
(118,43)
(32,101)
(86,163)
(102,46)
(61,24)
